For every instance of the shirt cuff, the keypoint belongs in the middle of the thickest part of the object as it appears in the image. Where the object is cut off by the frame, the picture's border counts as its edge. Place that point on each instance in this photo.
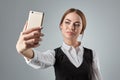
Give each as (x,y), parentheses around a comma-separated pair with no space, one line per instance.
(34,62)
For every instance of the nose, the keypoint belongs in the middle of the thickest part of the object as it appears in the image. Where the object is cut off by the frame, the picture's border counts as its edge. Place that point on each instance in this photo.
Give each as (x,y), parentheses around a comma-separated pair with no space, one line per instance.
(71,26)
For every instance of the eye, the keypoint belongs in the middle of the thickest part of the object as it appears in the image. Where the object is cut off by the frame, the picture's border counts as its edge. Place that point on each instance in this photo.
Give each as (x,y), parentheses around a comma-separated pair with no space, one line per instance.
(76,24)
(66,22)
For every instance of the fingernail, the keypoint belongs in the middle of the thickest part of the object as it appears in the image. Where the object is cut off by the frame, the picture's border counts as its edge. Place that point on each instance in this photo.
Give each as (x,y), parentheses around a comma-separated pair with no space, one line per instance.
(41,27)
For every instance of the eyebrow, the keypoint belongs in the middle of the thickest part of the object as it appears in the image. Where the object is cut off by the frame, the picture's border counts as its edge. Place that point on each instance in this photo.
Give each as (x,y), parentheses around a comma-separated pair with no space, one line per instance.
(68,20)
(75,22)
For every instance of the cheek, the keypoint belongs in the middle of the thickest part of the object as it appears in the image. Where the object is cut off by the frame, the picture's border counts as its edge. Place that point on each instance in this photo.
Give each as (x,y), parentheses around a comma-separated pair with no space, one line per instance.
(79,30)
(63,28)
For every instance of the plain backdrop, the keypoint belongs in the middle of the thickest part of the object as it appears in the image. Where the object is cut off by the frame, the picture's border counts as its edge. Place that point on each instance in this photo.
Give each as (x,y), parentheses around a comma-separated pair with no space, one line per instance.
(102,34)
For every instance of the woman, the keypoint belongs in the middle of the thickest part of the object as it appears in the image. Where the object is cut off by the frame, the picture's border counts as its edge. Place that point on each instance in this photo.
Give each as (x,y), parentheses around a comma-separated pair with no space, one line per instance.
(71,61)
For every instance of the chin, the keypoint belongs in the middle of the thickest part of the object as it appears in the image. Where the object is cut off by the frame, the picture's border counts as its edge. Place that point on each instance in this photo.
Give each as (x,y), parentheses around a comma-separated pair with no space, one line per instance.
(70,37)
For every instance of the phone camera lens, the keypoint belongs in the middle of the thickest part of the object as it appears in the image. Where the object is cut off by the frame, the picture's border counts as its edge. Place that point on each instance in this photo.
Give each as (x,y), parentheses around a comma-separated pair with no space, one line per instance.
(32,12)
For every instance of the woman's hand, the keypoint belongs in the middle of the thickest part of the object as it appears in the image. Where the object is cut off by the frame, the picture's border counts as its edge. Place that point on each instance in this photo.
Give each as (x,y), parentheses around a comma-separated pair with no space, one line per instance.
(29,38)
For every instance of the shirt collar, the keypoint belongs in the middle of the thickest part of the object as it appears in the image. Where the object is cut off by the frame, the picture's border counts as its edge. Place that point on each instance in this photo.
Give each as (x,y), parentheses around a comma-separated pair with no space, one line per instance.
(67,47)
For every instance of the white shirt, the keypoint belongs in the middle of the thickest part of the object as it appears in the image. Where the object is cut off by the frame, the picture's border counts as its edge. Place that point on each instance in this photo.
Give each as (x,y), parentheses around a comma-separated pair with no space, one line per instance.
(75,55)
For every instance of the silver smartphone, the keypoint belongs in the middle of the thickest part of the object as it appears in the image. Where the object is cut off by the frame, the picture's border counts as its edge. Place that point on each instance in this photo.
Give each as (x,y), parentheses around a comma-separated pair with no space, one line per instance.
(35,19)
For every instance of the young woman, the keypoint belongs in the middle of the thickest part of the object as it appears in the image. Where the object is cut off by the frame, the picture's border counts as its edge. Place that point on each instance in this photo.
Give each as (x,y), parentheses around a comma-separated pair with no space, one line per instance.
(71,61)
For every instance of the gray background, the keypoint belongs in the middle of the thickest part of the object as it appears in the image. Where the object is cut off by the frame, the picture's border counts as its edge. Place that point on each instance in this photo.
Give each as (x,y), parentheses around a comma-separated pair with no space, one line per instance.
(102,34)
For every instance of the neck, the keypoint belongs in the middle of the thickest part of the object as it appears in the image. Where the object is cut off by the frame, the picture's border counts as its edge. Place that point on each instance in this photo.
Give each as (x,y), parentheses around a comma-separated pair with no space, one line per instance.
(73,43)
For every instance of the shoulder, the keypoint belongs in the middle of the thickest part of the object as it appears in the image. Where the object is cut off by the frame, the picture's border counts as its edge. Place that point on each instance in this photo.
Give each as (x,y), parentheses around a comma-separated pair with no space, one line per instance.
(88,54)
(58,52)
(56,49)
(91,51)
(88,50)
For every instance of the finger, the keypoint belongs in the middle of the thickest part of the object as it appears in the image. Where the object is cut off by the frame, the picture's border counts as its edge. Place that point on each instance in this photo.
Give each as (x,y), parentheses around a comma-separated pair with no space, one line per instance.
(36,45)
(29,42)
(32,35)
(41,34)
(32,29)
(36,40)
(32,41)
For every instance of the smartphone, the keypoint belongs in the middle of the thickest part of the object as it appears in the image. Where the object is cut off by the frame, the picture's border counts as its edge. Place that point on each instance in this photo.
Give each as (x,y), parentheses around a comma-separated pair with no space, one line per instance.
(35,19)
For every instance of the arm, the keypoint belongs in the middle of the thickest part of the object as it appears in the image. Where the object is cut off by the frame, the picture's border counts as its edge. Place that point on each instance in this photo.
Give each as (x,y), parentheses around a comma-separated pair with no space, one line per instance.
(96,68)
(42,59)
(29,38)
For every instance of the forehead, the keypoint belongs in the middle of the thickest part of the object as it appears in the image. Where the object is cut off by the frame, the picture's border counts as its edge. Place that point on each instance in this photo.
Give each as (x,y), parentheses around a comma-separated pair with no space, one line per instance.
(73,17)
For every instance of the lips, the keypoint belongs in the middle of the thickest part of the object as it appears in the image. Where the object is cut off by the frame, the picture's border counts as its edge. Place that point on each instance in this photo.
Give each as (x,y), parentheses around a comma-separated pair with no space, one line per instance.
(70,33)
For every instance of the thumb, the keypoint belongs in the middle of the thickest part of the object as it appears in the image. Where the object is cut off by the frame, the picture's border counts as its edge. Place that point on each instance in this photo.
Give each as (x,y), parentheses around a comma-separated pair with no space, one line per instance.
(25,26)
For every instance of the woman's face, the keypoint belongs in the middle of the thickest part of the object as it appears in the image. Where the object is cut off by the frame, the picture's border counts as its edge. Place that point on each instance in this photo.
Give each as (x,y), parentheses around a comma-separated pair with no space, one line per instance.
(71,26)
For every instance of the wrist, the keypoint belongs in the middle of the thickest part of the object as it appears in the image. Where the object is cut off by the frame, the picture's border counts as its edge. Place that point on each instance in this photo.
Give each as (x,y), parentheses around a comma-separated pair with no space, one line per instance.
(28,53)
